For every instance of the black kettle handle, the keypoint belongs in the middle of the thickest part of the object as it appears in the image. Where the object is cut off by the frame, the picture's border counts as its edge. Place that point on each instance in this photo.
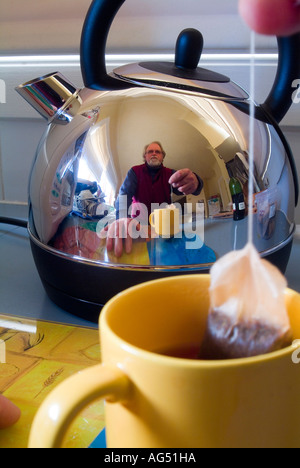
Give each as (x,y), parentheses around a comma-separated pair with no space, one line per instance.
(93,45)
(92,55)
(280,100)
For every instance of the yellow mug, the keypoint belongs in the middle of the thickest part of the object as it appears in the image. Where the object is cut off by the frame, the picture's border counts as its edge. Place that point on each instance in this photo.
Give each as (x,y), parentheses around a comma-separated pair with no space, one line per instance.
(165,221)
(157,401)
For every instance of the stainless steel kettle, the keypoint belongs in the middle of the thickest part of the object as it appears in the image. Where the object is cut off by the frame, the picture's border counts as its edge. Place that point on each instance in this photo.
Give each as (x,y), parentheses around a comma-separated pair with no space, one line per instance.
(96,135)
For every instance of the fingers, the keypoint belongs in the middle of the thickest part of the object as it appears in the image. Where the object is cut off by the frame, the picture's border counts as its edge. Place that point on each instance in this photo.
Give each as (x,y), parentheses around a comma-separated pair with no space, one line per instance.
(186,189)
(128,240)
(116,233)
(273,17)
(185,181)
(178,176)
(9,413)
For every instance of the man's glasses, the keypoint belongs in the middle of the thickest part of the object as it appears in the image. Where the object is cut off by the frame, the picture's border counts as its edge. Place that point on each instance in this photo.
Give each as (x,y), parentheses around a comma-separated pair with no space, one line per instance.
(154,152)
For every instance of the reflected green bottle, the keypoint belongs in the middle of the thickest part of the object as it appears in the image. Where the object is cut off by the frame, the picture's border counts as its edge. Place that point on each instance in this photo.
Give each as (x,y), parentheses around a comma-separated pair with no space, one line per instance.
(238,200)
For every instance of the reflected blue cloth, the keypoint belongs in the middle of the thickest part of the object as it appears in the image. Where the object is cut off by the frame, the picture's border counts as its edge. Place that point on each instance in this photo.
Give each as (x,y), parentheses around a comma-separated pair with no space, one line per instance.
(179,251)
(100,441)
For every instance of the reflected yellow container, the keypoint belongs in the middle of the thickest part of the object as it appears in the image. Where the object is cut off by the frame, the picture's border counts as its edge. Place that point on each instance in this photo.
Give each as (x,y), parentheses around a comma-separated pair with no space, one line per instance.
(165,221)
(159,401)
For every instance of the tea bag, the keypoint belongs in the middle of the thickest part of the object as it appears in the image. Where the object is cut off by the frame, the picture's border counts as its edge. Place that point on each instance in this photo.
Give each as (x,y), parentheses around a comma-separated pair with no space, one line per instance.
(247,316)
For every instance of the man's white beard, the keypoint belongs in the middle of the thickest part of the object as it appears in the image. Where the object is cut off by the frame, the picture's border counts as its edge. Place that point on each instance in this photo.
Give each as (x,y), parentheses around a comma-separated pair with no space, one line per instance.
(154,163)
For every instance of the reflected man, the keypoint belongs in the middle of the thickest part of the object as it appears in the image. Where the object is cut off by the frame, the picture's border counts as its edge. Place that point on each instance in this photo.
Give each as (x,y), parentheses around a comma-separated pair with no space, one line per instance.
(147,184)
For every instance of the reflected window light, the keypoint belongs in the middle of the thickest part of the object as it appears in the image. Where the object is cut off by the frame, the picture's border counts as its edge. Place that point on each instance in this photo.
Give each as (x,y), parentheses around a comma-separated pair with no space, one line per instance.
(101,155)
(107,188)
(84,171)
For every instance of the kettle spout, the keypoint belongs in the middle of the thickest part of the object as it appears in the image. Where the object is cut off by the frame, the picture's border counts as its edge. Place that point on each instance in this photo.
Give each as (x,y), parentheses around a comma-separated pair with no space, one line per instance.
(52,96)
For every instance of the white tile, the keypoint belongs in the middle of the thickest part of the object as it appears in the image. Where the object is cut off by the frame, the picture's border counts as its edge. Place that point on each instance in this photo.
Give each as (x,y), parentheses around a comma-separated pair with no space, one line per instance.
(19,140)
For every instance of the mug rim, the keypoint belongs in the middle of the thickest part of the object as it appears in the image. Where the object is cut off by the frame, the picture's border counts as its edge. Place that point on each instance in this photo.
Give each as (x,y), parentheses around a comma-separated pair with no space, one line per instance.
(217,364)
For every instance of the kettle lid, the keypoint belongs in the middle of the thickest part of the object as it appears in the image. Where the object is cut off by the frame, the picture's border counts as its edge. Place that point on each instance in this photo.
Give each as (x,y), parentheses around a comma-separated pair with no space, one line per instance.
(184,75)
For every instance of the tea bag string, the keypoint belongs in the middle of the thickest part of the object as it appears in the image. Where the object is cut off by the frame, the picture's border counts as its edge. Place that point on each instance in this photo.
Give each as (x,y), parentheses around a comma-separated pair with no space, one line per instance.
(251,139)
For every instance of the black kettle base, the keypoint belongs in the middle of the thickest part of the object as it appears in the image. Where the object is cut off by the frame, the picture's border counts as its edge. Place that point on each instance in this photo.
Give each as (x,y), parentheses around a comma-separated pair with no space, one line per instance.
(81,288)
(63,279)
(81,308)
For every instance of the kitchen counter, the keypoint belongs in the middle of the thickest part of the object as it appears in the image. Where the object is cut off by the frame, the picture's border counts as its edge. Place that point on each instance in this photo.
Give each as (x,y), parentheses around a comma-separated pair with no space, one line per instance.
(21,290)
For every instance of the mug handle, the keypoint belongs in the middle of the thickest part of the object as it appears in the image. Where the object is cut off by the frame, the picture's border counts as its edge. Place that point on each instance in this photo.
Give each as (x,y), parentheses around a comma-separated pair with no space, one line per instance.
(151,219)
(64,403)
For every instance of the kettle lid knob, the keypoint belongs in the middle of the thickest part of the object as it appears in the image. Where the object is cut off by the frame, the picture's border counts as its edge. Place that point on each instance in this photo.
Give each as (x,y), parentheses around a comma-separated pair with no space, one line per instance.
(189,48)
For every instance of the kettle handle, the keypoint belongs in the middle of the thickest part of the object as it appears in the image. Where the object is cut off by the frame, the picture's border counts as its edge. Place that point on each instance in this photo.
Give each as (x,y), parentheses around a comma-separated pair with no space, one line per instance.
(93,44)
(92,55)
(280,100)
